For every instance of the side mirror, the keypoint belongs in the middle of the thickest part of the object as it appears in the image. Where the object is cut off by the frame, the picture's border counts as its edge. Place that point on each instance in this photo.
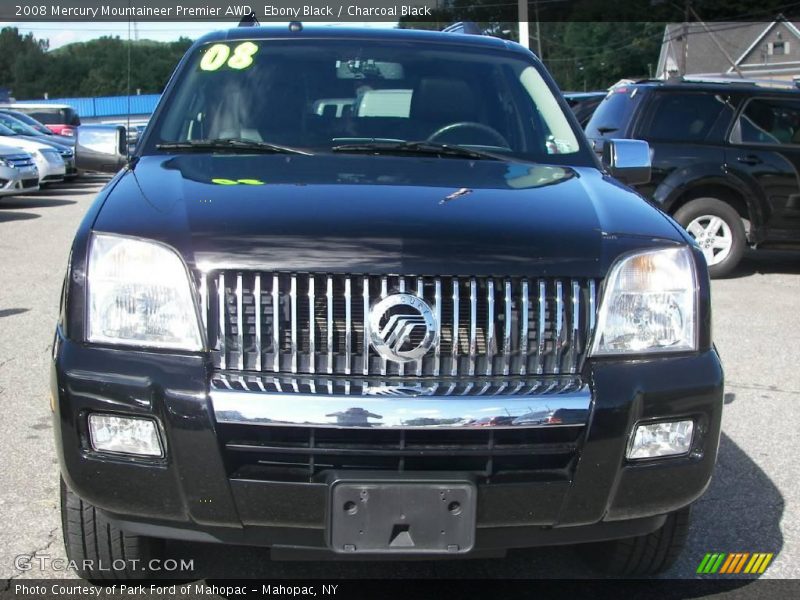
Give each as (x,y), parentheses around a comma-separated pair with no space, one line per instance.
(102,148)
(627,160)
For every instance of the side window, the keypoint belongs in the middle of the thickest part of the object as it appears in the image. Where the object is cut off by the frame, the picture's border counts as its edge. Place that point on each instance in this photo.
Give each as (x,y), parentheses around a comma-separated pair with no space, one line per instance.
(768,121)
(683,116)
(613,114)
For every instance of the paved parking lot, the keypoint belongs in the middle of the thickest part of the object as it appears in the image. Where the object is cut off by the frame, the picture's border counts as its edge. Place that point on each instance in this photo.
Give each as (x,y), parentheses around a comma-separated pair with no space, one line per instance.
(753,504)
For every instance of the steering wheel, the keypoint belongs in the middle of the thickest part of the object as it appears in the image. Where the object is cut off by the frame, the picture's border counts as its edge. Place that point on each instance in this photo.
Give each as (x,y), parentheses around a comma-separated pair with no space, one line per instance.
(447,129)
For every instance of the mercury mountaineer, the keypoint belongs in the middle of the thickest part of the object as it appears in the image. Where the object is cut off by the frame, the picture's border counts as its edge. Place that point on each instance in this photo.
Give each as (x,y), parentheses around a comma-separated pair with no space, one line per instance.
(361,293)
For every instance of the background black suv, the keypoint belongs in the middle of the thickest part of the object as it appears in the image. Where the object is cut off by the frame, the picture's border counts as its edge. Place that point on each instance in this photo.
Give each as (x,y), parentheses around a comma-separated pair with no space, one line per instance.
(725,159)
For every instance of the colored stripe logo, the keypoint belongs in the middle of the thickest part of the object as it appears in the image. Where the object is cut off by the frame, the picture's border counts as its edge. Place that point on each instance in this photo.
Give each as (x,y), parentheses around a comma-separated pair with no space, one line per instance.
(736,562)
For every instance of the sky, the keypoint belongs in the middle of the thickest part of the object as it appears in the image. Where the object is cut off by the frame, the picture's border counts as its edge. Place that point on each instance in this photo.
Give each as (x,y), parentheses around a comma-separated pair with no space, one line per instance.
(62,33)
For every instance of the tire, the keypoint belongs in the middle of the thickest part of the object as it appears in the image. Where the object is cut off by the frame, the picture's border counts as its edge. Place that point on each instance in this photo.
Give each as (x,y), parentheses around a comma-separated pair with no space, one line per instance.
(695,214)
(643,555)
(90,536)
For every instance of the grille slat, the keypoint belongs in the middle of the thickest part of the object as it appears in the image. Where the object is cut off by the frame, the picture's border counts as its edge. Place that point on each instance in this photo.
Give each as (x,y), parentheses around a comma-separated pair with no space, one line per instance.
(421,294)
(485,326)
(401,286)
(312,327)
(222,302)
(239,322)
(329,322)
(384,293)
(507,325)
(257,305)
(575,340)
(455,329)
(473,325)
(276,328)
(348,331)
(437,308)
(293,301)
(365,342)
(490,341)
(523,340)
(540,330)
(558,341)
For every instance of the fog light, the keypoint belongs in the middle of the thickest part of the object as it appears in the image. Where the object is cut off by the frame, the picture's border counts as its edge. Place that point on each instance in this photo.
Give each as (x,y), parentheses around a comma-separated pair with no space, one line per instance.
(661,439)
(124,435)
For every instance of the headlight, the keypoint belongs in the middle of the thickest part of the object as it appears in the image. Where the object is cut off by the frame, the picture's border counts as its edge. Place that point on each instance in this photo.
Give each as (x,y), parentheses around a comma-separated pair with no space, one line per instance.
(649,304)
(4,163)
(140,294)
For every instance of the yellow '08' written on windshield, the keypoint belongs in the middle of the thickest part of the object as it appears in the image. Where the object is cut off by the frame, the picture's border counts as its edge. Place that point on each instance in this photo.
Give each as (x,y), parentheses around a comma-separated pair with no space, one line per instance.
(220,55)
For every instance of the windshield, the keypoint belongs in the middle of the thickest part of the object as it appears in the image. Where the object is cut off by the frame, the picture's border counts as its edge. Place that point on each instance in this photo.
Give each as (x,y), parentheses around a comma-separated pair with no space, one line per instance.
(324,94)
(6,131)
(27,119)
(55,116)
(16,126)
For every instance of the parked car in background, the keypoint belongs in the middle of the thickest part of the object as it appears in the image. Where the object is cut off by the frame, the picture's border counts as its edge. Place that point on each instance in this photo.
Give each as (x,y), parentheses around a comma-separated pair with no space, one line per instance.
(48,159)
(24,131)
(583,104)
(68,140)
(726,159)
(59,118)
(18,172)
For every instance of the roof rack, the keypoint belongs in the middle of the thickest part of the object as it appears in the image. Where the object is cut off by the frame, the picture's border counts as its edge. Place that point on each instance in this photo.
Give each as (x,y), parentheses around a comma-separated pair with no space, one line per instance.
(249,20)
(766,83)
(467,27)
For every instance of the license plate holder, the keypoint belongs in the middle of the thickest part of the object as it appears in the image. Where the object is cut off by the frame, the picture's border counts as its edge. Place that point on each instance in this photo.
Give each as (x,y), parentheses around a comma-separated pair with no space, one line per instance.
(408,517)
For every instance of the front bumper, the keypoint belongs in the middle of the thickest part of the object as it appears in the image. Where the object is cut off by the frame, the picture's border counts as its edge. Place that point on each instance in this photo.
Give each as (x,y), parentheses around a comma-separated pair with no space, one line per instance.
(18,180)
(191,494)
(70,170)
(50,172)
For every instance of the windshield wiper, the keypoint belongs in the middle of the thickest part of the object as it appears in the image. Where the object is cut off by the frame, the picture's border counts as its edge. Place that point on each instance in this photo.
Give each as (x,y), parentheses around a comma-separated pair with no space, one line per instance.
(232,144)
(422,147)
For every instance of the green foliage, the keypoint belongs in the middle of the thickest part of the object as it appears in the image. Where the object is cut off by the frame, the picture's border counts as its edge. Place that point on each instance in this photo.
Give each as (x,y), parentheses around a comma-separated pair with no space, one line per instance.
(95,68)
(582,55)
(595,55)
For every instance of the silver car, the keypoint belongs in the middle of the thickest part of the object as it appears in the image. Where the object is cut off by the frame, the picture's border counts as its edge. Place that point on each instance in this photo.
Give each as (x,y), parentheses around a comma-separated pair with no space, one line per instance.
(18,172)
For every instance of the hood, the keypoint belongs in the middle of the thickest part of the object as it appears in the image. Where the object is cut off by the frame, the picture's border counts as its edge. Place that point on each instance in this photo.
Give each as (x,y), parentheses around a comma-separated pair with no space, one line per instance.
(45,142)
(23,142)
(7,149)
(393,215)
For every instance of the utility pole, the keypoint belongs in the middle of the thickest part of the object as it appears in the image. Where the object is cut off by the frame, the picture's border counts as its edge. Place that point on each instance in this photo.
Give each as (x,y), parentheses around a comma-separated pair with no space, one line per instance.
(719,46)
(685,45)
(538,31)
(524,33)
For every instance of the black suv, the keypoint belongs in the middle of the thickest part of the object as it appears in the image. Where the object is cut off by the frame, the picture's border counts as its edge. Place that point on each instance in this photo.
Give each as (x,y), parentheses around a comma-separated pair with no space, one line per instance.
(363,292)
(725,159)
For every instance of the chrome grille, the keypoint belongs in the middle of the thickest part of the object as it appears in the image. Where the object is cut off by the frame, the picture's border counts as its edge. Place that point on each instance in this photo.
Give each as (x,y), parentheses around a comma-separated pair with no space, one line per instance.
(315,323)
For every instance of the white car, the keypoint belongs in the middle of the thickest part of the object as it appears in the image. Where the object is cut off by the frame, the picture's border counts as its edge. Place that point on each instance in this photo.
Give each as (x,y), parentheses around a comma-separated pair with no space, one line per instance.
(48,160)
(18,172)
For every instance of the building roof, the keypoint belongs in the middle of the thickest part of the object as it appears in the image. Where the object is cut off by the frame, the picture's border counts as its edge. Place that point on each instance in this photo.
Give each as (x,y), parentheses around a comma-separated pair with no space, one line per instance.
(741,41)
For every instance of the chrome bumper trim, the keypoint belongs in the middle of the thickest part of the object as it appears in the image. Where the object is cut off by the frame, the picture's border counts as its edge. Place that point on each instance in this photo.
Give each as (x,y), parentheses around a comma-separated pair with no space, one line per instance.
(384,411)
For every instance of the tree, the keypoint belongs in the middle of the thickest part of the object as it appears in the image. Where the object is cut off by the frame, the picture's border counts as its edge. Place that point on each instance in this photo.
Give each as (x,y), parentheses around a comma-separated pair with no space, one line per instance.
(95,68)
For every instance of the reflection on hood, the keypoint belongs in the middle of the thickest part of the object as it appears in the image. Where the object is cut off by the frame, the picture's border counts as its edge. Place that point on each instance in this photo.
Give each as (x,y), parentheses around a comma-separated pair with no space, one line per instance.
(455,174)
